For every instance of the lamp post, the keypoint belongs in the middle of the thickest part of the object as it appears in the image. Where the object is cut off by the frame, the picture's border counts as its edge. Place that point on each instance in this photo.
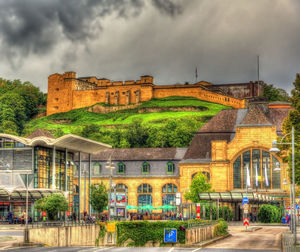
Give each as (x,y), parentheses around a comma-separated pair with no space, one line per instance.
(110,166)
(293,208)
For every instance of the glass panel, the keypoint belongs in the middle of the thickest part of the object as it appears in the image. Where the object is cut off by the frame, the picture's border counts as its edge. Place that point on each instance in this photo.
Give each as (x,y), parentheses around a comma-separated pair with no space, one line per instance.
(140,189)
(149,189)
(170,167)
(256,169)
(169,199)
(266,169)
(246,170)
(144,200)
(237,173)
(208,177)
(164,188)
(275,174)
(169,188)
(174,188)
(145,188)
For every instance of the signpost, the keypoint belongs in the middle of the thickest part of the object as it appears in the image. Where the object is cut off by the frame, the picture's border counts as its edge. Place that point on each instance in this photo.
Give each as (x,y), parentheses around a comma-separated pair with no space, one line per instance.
(170,235)
(245,200)
(246,222)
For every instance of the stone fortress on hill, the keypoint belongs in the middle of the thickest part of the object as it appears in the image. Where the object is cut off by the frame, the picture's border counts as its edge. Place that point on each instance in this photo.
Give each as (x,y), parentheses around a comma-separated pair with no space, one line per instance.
(67,92)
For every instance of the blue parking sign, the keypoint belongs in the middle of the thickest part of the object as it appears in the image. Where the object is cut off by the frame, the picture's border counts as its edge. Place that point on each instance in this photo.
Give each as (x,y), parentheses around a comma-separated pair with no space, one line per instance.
(170,235)
(245,200)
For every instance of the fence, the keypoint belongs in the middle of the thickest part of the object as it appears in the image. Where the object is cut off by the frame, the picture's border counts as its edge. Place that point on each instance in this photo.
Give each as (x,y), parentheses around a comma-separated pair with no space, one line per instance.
(287,242)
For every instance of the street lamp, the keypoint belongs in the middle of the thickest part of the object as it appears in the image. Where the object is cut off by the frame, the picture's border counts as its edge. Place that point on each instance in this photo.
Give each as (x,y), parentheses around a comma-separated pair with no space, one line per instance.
(275,150)
(110,166)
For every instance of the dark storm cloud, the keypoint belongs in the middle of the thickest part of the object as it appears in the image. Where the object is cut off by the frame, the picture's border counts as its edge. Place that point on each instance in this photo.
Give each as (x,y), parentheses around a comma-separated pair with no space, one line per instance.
(37,25)
(122,39)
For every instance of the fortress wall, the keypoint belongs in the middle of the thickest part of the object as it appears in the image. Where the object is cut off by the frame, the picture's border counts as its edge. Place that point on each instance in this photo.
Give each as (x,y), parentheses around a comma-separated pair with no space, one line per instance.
(196,91)
(59,93)
(85,98)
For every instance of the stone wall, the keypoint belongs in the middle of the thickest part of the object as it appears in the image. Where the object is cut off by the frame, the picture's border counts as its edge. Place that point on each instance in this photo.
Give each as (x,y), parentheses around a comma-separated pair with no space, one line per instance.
(86,236)
(198,234)
(67,236)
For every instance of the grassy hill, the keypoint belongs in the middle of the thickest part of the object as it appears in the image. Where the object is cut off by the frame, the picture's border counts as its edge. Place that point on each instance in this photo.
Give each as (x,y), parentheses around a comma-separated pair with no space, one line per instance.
(113,128)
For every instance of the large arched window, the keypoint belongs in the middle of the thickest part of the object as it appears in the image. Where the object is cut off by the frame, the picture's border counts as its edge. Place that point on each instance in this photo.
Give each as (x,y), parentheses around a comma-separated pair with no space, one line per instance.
(207,174)
(144,198)
(254,169)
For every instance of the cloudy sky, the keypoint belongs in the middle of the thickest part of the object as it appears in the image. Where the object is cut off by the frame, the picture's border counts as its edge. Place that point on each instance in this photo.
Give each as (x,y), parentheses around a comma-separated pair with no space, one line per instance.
(124,39)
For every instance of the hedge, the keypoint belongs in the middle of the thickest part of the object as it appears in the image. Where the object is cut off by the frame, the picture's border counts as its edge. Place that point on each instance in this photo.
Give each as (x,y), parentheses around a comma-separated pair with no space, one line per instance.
(221,228)
(269,214)
(141,232)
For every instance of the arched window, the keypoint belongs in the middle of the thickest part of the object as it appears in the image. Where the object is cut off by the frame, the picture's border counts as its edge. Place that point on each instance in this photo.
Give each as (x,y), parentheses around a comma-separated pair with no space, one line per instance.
(121,168)
(145,198)
(96,168)
(122,186)
(145,168)
(145,188)
(254,169)
(170,168)
(207,174)
(169,188)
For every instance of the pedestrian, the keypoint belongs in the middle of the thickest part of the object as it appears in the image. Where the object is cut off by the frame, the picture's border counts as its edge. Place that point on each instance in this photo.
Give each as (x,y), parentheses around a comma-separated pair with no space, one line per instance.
(10,217)
(74,216)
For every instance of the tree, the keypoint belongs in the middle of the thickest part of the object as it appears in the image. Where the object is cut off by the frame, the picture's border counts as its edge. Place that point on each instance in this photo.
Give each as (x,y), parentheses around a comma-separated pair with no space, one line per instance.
(275,94)
(99,197)
(293,120)
(199,184)
(52,205)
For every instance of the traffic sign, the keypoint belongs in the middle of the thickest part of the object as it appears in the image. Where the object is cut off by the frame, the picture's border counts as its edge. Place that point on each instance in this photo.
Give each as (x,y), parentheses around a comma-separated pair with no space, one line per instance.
(245,200)
(170,235)
(246,206)
(297,207)
(246,222)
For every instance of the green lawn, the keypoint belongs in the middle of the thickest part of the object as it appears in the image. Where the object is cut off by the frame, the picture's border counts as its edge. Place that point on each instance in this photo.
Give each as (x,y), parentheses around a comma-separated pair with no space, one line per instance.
(80,117)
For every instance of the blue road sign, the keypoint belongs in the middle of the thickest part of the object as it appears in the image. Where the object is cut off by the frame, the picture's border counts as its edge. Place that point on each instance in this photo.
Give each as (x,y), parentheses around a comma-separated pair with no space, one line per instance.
(245,200)
(297,207)
(170,235)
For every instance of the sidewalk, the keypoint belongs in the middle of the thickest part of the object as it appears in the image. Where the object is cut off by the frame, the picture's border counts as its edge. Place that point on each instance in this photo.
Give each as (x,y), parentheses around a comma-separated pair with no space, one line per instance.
(12,227)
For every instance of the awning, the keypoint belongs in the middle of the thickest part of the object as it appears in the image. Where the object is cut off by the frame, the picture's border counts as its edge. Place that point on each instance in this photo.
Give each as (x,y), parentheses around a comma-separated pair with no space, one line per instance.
(232,197)
(19,194)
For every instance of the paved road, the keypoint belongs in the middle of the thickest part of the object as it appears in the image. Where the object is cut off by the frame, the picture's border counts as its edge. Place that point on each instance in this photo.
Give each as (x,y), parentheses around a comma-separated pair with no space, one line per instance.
(134,250)
(11,232)
(266,239)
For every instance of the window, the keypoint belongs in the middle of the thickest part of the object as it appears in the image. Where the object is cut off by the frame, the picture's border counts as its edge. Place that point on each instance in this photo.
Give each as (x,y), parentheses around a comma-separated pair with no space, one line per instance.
(170,168)
(96,168)
(122,187)
(145,188)
(169,196)
(169,188)
(145,168)
(207,174)
(121,168)
(254,168)
(144,198)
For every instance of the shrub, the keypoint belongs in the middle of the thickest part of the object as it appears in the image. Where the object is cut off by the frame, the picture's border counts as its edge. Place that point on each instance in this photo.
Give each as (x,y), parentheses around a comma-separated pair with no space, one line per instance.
(269,214)
(141,232)
(221,228)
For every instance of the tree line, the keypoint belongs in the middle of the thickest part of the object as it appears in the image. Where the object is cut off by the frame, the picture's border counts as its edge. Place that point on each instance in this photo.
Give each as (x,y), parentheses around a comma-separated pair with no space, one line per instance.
(19,102)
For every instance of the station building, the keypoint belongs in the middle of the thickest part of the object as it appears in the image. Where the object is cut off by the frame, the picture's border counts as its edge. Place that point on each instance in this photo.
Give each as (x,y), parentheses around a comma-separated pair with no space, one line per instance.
(232,150)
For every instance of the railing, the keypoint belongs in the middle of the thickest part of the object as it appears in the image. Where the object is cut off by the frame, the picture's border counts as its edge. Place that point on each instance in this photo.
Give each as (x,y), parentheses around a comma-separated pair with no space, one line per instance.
(59,224)
(288,242)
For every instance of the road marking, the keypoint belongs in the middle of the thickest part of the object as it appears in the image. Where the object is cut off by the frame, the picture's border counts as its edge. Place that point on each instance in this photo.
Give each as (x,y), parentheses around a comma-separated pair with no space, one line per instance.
(171,249)
(196,249)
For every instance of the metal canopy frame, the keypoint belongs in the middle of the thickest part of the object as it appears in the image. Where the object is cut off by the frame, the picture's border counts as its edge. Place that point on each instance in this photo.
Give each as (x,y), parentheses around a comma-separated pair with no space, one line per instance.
(20,194)
(233,197)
